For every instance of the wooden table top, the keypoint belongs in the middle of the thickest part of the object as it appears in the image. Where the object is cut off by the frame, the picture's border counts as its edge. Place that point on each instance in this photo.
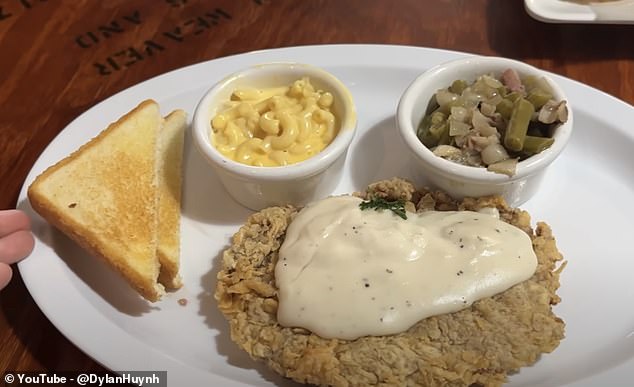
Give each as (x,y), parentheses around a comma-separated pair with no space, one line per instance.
(59,58)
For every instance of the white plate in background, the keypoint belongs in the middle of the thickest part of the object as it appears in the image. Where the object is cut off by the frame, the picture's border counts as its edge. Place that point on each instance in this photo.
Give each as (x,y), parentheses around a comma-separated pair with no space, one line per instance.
(563,11)
(587,199)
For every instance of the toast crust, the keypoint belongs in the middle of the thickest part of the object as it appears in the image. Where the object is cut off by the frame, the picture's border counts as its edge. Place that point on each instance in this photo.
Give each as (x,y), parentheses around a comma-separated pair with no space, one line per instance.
(170,182)
(107,202)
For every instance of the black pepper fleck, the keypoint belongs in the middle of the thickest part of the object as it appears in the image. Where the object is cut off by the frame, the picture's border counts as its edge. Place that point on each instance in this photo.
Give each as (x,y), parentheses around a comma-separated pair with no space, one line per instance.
(497,230)
(462,246)
(389,271)
(367,285)
(72,205)
(460,272)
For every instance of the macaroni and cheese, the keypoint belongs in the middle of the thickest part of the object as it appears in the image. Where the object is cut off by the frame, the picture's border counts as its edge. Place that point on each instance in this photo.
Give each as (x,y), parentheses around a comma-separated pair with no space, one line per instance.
(275,126)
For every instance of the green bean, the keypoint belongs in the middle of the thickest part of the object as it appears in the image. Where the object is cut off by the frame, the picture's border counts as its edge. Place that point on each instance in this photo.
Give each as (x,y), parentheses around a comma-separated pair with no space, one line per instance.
(458,86)
(538,98)
(447,108)
(518,125)
(445,138)
(433,136)
(423,129)
(513,96)
(505,108)
(534,145)
(438,117)
(433,128)
(437,129)
(530,82)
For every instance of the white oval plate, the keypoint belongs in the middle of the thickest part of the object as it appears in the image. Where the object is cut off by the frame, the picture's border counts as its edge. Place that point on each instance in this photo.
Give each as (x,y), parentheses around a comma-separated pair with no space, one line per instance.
(586,198)
(562,11)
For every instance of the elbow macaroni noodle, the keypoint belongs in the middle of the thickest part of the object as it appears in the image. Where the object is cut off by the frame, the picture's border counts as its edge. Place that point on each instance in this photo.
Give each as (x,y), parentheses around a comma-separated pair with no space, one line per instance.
(275,126)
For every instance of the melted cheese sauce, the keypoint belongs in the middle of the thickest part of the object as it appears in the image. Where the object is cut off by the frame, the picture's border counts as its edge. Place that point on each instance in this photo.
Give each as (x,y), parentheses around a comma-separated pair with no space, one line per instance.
(276,126)
(346,273)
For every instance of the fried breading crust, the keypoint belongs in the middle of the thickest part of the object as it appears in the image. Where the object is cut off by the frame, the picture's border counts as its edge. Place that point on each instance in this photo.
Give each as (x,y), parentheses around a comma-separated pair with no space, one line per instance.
(479,345)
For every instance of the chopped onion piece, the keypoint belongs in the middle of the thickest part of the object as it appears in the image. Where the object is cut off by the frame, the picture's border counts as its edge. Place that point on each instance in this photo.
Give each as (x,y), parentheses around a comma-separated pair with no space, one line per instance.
(445,97)
(459,113)
(460,141)
(488,109)
(548,112)
(482,124)
(457,128)
(492,82)
(473,158)
(446,151)
(494,153)
(562,112)
(493,100)
(506,167)
(471,98)
(478,142)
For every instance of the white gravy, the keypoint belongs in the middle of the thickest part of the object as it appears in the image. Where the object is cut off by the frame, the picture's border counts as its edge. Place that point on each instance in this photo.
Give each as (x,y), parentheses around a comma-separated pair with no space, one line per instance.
(344,272)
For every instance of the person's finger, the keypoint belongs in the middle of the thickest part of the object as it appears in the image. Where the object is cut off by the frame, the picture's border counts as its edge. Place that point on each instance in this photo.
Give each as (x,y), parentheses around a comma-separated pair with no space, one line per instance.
(14,247)
(12,221)
(5,275)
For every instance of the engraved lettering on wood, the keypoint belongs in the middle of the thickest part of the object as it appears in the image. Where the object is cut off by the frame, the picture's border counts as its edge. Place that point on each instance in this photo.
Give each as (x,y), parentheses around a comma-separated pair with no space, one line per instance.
(131,55)
(105,31)
(179,33)
(6,13)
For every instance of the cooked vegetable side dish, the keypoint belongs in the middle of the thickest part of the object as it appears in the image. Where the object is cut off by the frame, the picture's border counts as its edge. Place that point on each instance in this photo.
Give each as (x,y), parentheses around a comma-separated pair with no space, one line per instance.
(492,122)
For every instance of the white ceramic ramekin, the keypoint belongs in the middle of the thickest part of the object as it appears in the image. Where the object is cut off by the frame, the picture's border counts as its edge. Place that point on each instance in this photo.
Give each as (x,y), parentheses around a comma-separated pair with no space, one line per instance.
(298,184)
(465,181)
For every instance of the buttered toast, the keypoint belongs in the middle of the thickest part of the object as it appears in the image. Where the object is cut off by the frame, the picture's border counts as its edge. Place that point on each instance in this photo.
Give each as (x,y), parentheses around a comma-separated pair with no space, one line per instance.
(111,194)
(170,145)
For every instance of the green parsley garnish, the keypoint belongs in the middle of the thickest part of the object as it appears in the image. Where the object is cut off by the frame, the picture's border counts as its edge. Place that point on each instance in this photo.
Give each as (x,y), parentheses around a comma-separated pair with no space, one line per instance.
(396,206)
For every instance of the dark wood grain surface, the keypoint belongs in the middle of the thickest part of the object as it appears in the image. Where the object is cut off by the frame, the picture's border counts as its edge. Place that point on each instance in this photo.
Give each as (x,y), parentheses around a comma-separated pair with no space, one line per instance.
(58,58)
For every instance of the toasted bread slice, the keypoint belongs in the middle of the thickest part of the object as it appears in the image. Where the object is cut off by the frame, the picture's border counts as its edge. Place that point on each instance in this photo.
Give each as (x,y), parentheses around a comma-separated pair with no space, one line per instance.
(105,197)
(171,140)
